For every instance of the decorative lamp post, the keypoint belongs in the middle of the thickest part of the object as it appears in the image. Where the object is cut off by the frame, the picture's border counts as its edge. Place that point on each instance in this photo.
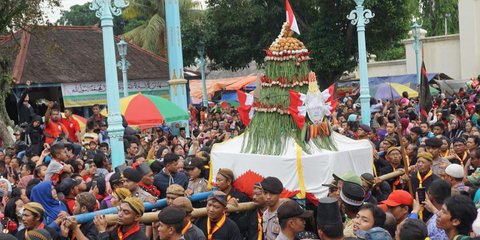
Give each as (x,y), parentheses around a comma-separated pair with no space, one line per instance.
(123,64)
(416,45)
(360,17)
(105,10)
(447,15)
(201,53)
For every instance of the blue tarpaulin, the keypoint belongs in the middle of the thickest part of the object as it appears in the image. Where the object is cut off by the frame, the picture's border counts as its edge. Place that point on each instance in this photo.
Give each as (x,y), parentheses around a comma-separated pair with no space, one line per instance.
(401,79)
(251,86)
(229,96)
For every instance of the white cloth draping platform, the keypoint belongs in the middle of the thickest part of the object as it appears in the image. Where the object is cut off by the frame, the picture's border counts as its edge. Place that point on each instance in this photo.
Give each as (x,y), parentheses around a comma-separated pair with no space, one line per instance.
(299,172)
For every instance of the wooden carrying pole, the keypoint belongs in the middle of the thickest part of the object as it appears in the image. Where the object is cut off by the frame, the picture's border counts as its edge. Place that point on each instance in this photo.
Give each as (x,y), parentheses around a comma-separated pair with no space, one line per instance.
(151,217)
(393,174)
(406,164)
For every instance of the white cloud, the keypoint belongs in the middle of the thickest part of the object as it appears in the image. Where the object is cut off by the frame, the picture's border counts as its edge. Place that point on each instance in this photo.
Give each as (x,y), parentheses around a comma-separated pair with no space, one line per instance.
(54,14)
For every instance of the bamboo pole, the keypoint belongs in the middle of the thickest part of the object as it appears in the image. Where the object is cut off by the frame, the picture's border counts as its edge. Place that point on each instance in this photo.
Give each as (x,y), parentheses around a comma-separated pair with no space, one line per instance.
(393,174)
(198,212)
(406,163)
(150,217)
(87,217)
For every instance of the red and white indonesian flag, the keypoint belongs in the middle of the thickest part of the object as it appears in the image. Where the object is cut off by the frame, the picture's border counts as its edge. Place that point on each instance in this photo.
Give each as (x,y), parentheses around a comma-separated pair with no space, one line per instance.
(245,110)
(297,107)
(328,96)
(292,21)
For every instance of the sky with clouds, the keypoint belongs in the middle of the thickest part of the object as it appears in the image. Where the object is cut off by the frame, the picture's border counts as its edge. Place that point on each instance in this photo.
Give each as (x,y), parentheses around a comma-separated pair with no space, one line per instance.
(54,14)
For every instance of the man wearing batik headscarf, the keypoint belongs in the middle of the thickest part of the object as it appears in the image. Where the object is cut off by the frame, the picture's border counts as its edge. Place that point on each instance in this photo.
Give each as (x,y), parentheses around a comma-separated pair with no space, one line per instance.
(224,181)
(32,219)
(128,227)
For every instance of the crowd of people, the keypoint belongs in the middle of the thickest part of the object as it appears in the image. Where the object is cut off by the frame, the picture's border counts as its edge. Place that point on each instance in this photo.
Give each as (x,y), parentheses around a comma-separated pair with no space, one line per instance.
(55,171)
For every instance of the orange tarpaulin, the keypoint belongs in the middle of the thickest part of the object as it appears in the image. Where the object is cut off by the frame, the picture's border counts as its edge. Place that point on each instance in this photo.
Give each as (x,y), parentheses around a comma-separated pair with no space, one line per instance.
(229,84)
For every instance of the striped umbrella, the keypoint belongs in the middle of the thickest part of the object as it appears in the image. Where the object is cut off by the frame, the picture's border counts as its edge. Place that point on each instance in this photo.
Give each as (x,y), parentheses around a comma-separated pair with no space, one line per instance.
(147,111)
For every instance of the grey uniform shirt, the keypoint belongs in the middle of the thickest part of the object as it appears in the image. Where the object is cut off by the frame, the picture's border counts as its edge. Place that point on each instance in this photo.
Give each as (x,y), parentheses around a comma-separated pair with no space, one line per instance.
(271,226)
(282,236)
(141,194)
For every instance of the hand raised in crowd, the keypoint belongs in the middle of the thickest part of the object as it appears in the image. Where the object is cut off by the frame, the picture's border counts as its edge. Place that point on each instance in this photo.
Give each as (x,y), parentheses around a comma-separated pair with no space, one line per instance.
(100,223)
(94,190)
(405,178)
(417,205)
(67,168)
(429,206)
(62,215)
(45,152)
(233,201)
(67,225)
(378,181)
(50,104)
(64,229)
(151,199)
(188,192)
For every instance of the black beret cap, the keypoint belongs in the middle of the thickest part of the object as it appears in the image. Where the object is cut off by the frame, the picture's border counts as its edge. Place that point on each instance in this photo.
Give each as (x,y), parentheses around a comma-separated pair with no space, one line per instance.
(67,184)
(416,130)
(352,194)
(132,174)
(171,215)
(272,185)
(328,212)
(101,184)
(194,162)
(433,142)
(116,178)
(291,209)
(143,168)
(365,127)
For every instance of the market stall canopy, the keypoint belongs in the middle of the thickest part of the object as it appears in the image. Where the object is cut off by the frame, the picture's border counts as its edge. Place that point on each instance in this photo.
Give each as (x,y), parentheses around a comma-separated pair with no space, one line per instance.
(147,111)
(389,91)
(449,87)
(215,85)
(347,86)
(406,78)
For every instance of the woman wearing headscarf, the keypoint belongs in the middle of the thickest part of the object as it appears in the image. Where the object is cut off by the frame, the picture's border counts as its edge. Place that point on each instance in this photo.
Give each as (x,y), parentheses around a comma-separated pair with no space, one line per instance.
(455,129)
(45,194)
(11,222)
(6,187)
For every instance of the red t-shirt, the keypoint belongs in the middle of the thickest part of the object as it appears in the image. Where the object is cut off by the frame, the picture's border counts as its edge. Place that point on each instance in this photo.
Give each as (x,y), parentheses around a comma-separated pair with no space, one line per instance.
(70,202)
(72,127)
(53,130)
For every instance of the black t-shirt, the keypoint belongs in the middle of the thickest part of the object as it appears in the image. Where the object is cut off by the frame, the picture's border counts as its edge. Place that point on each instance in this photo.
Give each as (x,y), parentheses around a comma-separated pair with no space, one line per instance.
(229,230)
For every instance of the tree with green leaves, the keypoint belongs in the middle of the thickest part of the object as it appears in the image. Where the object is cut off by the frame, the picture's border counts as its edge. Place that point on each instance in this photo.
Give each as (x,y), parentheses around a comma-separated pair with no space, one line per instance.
(150,34)
(432,15)
(81,15)
(14,15)
(236,32)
